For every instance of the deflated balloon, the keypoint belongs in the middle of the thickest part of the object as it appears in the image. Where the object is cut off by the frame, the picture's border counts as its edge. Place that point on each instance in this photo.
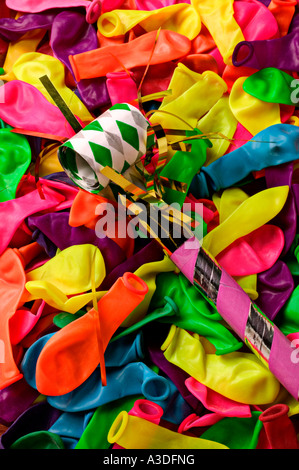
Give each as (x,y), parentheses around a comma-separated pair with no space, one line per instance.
(261,85)
(33,65)
(132,432)
(74,352)
(20,101)
(67,274)
(12,283)
(199,94)
(271,147)
(253,213)
(15,158)
(181,18)
(253,113)
(170,46)
(238,375)
(191,312)
(218,17)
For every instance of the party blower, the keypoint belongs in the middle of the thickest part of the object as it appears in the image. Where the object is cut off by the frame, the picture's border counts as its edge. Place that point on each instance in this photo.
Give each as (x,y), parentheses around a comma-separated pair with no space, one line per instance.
(245,318)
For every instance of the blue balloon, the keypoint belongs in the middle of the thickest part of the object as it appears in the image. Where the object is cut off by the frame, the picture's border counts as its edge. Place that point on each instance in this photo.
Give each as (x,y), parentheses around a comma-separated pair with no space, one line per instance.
(273,146)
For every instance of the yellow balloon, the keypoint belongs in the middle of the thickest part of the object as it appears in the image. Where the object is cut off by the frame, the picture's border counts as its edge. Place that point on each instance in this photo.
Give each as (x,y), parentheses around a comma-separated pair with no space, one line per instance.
(251,214)
(188,107)
(68,273)
(50,281)
(133,432)
(33,65)
(218,17)
(228,201)
(219,119)
(182,79)
(181,18)
(248,284)
(255,115)
(27,43)
(239,376)
(226,204)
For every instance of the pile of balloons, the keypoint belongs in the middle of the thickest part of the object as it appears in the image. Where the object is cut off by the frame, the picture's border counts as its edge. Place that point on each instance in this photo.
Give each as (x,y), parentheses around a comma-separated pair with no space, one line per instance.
(104,343)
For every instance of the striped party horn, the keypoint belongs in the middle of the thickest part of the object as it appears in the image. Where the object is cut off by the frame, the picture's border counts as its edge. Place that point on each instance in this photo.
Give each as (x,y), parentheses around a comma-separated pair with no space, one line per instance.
(117,138)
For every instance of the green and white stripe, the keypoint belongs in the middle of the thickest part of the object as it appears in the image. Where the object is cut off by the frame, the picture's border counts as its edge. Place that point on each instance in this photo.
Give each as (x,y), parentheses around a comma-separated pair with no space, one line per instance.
(117,139)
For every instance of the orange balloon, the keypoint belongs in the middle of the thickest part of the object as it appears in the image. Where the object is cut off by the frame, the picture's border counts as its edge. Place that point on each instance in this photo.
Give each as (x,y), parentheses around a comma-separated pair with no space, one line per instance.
(98,62)
(12,285)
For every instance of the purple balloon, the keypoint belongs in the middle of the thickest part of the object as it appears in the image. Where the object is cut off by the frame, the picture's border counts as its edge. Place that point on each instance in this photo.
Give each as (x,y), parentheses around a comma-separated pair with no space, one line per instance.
(274,287)
(13,30)
(71,35)
(14,400)
(55,227)
(39,417)
(148,254)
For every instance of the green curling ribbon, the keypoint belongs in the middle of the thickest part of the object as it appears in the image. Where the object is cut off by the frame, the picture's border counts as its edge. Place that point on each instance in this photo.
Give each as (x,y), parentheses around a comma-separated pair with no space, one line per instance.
(15,158)
(271,85)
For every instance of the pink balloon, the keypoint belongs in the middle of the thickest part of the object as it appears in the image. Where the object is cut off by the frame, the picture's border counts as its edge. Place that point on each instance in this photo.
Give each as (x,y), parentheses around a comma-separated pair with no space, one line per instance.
(256,20)
(254,253)
(194,421)
(24,107)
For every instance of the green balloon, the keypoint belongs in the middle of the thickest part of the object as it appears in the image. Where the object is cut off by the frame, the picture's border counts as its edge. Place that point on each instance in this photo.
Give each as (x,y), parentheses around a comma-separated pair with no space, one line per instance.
(271,85)
(192,312)
(236,433)
(287,319)
(15,158)
(95,434)
(39,440)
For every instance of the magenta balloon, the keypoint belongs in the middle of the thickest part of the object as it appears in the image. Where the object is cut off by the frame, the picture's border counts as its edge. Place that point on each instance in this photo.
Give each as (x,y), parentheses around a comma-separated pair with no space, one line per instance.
(32,6)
